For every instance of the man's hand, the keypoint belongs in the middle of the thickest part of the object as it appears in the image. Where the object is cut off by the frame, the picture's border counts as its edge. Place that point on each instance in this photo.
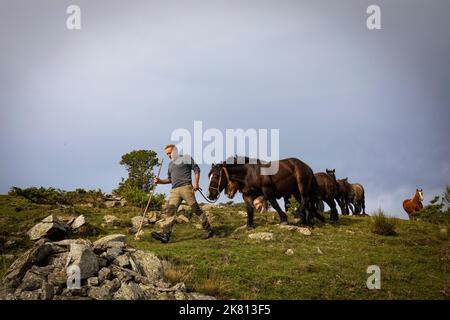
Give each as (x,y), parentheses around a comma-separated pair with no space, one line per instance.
(156,180)
(196,187)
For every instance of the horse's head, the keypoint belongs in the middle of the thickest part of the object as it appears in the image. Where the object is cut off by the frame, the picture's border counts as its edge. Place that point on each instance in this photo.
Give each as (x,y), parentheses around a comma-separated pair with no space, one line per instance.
(331,173)
(419,194)
(219,180)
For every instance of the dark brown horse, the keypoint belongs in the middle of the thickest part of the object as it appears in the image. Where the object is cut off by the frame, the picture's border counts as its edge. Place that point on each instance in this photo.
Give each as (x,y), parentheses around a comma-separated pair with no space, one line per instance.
(358,199)
(337,197)
(293,178)
(345,195)
(327,193)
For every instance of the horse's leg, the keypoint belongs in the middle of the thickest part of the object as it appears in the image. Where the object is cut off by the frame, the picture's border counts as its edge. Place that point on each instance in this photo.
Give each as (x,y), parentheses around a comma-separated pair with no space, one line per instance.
(339,201)
(352,208)
(363,205)
(276,206)
(250,210)
(345,204)
(334,213)
(316,213)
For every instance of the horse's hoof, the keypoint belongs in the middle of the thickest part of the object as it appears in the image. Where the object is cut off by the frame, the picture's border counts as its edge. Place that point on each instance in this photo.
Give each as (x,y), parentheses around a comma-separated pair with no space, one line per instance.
(284,222)
(250,227)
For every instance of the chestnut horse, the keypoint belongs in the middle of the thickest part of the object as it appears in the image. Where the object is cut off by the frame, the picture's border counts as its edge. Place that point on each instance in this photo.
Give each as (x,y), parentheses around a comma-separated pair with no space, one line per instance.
(414,204)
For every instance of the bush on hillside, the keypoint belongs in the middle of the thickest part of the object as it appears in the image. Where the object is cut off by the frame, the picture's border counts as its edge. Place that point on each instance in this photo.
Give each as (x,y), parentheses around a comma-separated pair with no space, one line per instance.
(50,195)
(382,225)
(139,198)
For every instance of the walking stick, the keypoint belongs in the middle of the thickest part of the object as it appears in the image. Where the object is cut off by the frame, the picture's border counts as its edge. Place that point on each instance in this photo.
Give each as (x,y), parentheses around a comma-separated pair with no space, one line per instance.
(136,237)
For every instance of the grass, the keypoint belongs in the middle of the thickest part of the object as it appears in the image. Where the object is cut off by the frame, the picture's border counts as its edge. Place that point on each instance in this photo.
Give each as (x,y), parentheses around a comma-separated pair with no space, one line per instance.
(414,264)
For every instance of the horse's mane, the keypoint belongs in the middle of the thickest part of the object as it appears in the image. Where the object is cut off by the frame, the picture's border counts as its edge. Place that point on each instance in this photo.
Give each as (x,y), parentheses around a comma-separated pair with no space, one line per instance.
(241,160)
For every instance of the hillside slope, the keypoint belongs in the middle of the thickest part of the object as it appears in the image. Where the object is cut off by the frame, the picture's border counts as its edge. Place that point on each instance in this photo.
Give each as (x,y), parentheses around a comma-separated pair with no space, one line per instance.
(331,263)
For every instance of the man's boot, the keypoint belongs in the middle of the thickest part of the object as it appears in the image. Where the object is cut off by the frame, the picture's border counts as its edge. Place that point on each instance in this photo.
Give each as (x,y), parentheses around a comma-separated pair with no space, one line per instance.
(208,230)
(161,236)
(209,233)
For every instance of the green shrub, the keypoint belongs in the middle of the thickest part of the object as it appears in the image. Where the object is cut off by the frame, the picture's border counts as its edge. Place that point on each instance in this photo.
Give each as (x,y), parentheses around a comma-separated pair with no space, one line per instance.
(293,205)
(139,198)
(382,225)
(50,195)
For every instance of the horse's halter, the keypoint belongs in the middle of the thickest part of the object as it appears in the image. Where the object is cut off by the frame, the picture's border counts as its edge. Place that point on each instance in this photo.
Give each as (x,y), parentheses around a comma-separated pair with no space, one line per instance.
(222,169)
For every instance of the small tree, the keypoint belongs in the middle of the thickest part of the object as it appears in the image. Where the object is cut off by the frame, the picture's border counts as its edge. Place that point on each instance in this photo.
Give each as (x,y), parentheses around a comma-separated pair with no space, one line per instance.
(139,164)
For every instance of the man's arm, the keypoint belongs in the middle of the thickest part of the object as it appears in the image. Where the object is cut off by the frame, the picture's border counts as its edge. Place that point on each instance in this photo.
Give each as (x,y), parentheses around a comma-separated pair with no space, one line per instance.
(164,181)
(196,170)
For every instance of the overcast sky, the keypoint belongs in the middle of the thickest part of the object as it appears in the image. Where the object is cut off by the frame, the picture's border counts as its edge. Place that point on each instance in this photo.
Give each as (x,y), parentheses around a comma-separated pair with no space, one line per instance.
(374,105)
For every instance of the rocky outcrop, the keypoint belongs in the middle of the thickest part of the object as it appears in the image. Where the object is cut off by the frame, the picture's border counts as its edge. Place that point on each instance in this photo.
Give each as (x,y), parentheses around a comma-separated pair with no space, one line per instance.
(54,228)
(51,228)
(106,269)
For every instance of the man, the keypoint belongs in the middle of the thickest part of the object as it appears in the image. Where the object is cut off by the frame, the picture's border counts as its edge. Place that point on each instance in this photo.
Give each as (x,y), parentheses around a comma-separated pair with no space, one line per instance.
(179,175)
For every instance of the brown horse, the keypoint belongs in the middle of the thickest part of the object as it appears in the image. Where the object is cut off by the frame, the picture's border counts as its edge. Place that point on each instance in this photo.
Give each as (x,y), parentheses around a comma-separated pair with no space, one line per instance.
(327,193)
(293,178)
(414,204)
(358,199)
(345,195)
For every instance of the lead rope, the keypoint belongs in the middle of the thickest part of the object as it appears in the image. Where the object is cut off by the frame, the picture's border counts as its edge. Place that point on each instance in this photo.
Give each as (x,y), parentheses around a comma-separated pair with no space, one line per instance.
(200,190)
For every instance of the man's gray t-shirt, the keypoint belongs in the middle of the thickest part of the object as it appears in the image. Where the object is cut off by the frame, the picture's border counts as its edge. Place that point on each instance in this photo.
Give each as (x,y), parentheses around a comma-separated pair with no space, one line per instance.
(181,174)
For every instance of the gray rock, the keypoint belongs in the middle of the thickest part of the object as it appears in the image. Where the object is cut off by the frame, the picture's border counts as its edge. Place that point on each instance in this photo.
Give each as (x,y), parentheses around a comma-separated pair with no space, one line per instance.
(116,244)
(57,278)
(112,204)
(102,262)
(111,220)
(114,252)
(104,274)
(51,228)
(165,221)
(68,242)
(82,256)
(122,260)
(99,293)
(92,281)
(199,296)
(136,222)
(153,216)
(111,285)
(266,236)
(30,295)
(130,291)
(47,291)
(102,243)
(31,281)
(301,230)
(148,264)
(18,268)
(78,222)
